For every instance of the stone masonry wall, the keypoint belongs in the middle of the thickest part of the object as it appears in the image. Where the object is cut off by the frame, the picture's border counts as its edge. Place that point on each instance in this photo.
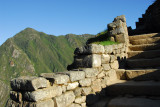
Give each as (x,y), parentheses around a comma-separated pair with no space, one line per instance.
(94,69)
(118,30)
(69,89)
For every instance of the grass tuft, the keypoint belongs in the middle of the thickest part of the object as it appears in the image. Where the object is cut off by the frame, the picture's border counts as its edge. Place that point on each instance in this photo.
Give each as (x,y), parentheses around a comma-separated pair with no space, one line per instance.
(101,38)
(106,43)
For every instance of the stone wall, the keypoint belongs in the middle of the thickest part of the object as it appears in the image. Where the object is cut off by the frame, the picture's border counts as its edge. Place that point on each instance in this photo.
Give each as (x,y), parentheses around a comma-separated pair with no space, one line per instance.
(94,68)
(93,55)
(118,30)
(96,71)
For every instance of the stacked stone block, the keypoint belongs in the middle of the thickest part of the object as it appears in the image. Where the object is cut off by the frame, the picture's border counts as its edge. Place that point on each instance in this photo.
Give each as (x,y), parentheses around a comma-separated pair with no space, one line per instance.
(70,88)
(93,56)
(118,30)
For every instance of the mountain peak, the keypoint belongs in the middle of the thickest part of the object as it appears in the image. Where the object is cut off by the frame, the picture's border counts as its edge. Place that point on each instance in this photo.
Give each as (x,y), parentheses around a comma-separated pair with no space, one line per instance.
(26,34)
(28,29)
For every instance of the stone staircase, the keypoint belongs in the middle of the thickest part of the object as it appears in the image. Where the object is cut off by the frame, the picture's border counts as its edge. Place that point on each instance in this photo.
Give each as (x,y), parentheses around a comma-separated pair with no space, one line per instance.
(148,56)
(141,87)
(139,84)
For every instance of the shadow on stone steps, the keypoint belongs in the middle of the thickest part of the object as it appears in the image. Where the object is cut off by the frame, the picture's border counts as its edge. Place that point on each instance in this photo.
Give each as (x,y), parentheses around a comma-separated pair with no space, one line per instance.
(147,87)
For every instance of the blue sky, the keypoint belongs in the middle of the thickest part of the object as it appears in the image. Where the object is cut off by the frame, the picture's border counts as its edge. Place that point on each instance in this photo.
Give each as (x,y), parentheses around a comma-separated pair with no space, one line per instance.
(60,17)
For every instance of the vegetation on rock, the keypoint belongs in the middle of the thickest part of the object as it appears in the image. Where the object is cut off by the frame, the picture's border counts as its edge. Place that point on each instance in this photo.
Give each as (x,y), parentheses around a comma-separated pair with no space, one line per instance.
(101,38)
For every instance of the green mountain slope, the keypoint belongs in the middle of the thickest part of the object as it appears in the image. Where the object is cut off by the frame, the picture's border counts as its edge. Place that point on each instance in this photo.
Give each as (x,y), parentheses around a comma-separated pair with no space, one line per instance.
(31,52)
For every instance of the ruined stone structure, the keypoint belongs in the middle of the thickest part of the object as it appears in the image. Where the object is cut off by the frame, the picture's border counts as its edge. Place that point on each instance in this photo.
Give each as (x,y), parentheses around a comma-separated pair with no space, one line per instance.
(118,30)
(149,23)
(122,75)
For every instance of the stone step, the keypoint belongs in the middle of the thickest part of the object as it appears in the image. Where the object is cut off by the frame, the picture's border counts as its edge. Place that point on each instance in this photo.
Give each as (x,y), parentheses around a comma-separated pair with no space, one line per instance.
(134,102)
(138,74)
(143,54)
(144,36)
(145,41)
(143,63)
(137,88)
(143,74)
(144,47)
